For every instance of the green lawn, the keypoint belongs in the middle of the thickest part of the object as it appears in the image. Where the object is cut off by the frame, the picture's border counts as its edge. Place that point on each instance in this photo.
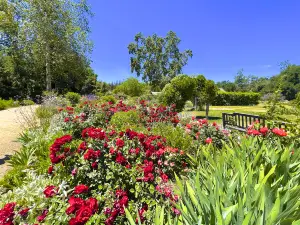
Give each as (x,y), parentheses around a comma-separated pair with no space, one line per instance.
(215,112)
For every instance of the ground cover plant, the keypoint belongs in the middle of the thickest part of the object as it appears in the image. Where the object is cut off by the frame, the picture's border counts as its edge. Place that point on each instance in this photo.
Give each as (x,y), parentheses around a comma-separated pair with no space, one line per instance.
(113,163)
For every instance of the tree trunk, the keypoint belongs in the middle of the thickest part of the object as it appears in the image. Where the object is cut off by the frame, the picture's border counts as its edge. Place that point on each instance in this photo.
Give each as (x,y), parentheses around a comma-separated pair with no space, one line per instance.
(207,110)
(48,72)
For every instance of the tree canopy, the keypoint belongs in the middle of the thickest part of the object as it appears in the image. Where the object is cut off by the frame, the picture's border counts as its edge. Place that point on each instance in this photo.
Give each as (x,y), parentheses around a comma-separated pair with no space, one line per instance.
(157,59)
(44,45)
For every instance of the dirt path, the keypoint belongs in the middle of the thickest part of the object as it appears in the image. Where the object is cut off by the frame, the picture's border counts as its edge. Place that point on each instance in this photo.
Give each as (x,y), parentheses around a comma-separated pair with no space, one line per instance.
(11,125)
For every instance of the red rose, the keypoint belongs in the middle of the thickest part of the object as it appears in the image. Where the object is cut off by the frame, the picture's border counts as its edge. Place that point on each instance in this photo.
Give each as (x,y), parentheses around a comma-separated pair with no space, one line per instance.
(50,169)
(84,214)
(92,203)
(50,191)
(264,130)
(94,165)
(24,212)
(81,188)
(279,132)
(120,143)
(253,132)
(75,204)
(42,217)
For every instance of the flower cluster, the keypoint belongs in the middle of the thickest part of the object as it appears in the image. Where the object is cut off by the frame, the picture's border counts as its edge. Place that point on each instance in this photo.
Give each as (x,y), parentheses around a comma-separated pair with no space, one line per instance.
(82,209)
(118,207)
(265,131)
(150,115)
(206,133)
(7,214)
(128,160)
(57,147)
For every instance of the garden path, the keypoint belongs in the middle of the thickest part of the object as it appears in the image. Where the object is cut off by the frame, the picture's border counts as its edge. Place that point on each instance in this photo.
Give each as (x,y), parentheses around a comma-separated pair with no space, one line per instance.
(12,122)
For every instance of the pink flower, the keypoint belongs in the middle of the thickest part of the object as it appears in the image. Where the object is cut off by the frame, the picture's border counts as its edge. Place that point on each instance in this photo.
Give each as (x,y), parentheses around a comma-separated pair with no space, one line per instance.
(208,140)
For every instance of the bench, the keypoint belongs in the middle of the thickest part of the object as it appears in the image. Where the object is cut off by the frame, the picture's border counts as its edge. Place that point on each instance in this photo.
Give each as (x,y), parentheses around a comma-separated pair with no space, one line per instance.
(241,121)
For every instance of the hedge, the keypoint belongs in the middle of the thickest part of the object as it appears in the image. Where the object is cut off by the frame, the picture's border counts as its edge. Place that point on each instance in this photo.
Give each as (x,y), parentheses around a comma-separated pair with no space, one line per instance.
(236,98)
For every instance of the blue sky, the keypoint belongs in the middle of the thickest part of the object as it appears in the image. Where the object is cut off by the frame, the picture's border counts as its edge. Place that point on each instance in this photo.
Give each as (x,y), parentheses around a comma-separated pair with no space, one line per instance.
(224,35)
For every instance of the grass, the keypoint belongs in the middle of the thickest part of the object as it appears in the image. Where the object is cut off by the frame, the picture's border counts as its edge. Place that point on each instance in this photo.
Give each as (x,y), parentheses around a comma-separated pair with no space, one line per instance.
(215,112)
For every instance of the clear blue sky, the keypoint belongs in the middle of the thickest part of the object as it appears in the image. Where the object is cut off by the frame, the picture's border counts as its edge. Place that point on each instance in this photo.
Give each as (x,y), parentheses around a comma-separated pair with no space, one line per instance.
(224,35)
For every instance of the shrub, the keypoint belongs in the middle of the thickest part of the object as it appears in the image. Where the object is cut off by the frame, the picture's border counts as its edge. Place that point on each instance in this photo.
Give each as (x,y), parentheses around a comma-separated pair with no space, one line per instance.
(120,169)
(176,136)
(126,120)
(73,97)
(236,98)
(131,87)
(27,102)
(4,104)
(108,98)
(178,91)
(206,133)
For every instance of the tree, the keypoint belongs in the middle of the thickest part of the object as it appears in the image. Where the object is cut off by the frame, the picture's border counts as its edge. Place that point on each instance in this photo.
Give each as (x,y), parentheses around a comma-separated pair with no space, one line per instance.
(44,45)
(131,87)
(178,91)
(157,59)
(206,91)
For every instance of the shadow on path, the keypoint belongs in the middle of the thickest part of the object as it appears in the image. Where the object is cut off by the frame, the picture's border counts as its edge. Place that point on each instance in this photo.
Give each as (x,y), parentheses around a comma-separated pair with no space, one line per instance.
(2,160)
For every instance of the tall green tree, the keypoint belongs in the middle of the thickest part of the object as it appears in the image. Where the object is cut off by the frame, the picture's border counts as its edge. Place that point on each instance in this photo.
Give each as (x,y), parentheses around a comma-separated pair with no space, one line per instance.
(157,59)
(206,91)
(44,45)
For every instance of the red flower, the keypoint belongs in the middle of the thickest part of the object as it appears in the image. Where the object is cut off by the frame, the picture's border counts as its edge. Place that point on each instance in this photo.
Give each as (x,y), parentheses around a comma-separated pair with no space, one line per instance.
(253,132)
(67,119)
(279,132)
(94,165)
(24,212)
(50,191)
(42,217)
(93,204)
(75,204)
(164,177)
(120,159)
(263,130)
(120,143)
(7,214)
(84,214)
(208,140)
(50,169)
(81,188)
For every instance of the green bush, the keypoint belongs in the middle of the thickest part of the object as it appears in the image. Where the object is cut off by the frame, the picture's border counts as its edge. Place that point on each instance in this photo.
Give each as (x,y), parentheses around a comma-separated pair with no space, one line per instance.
(124,120)
(236,98)
(131,87)
(176,136)
(4,104)
(178,91)
(108,98)
(13,178)
(73,97)
(27,102)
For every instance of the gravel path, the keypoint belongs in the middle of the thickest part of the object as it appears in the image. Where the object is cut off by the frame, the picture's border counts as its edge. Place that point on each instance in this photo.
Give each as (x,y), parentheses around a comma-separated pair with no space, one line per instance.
(12,122)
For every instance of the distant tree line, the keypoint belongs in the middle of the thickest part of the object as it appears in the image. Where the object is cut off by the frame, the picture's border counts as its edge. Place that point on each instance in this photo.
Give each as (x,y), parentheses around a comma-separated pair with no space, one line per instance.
(288,82)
